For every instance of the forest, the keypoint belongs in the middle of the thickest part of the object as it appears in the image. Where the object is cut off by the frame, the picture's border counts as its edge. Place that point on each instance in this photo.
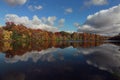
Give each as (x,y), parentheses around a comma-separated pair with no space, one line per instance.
(13,32)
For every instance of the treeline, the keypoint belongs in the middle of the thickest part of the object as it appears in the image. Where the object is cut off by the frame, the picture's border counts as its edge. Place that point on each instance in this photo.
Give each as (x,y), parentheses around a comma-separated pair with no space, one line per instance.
(115,37)
(21,33)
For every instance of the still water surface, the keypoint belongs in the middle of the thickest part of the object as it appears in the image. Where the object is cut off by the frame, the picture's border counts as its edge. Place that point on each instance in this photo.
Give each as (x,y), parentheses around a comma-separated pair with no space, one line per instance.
(60,61)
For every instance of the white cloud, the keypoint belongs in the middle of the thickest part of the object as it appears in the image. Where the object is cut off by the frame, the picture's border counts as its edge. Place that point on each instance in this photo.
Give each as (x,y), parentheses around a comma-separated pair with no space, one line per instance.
(96,2)
(103,22)
(50,20)
(76,24)
(68,10)
(16,2)
(39,7)
(61,22)
(44,19)
(35,23)
(33,8)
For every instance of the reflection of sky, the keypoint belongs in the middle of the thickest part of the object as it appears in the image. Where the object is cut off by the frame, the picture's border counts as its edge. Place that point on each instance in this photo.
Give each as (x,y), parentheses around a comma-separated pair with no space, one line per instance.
(34,55)
(36,61)
(90,62)
(2,57)
(104,47)
(44,55)
(105,57)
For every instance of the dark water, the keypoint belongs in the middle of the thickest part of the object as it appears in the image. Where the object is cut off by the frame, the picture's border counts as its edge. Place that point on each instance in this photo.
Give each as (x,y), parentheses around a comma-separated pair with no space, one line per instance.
(60,61)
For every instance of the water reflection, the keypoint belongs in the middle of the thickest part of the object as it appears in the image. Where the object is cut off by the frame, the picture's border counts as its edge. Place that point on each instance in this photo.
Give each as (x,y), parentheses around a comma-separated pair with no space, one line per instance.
(44,55)
(14,48)
(104,57)
(60,61)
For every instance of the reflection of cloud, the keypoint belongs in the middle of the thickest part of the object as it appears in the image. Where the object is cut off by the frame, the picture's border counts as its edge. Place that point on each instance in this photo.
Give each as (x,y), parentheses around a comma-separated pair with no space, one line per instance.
(105,57)
(34,55)
(105,47)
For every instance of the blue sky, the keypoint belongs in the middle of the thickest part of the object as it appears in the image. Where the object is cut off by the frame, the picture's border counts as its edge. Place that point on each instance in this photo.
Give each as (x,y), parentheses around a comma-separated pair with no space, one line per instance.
(73,11)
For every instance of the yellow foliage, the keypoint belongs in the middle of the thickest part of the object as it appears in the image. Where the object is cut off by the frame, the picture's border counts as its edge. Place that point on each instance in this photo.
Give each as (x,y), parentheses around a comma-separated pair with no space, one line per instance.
(7,35)
(23,36)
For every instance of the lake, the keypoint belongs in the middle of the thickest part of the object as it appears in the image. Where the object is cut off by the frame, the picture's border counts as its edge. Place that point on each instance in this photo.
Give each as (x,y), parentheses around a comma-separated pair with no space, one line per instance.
(65,60)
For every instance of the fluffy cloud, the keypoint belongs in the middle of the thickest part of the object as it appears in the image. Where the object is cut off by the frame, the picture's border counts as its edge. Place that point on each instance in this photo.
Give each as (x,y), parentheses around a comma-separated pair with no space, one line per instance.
(68,10)
(103,22)
(76,24)
(35,23)
(33,8)
(49,21)
(16,2)
(39,7)
(61,22)
(96,2)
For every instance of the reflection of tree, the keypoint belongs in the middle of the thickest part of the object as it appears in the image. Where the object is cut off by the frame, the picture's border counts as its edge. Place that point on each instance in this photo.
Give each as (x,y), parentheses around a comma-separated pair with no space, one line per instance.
(4,46)
(17,48)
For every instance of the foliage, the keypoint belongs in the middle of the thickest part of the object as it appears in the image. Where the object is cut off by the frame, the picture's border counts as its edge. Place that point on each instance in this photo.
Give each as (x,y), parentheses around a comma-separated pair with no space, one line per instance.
(23,34)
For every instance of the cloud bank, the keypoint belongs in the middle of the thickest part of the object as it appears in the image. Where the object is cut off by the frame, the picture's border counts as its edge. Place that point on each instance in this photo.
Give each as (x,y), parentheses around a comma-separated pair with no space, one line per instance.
(34,23)
(103,22)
